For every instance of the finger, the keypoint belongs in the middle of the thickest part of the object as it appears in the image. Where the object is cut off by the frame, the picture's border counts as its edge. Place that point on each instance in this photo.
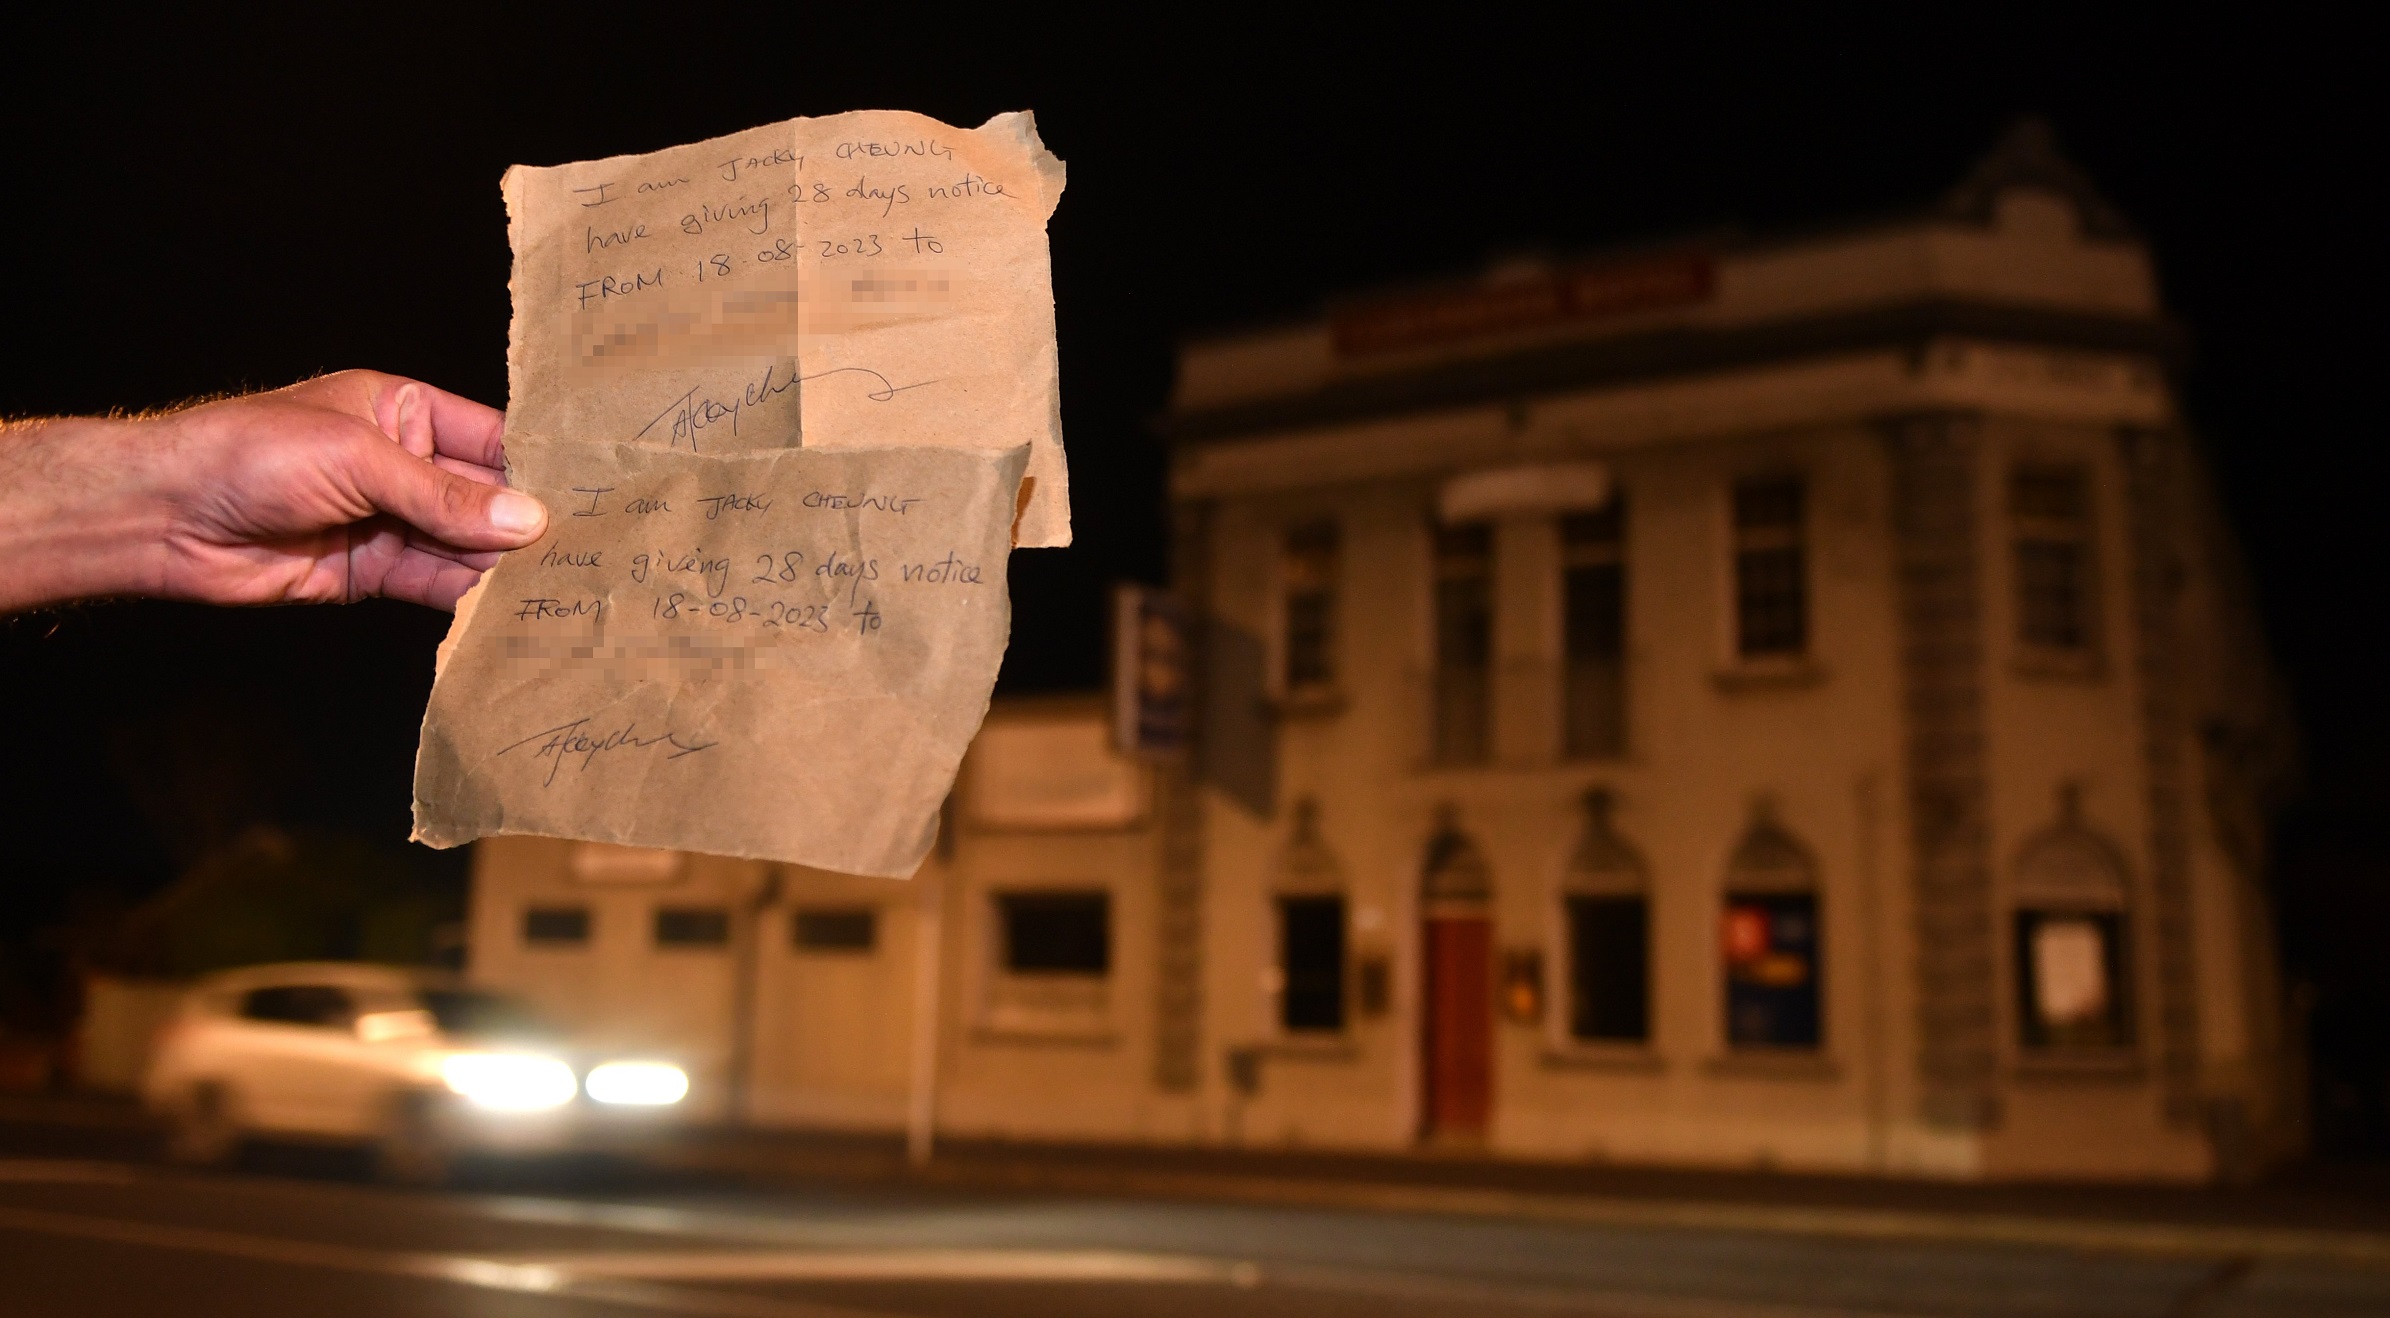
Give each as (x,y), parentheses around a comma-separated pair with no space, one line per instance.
(443,505)
(426,419)
(466,430)
(480,560)
(472,471)
(428,579)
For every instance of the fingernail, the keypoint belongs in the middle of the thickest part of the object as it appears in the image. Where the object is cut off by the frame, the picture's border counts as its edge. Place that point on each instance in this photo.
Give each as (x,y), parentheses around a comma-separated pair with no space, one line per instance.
(519,514)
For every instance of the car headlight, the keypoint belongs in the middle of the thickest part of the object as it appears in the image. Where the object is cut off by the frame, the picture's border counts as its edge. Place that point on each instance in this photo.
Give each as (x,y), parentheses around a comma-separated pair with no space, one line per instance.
(644,1084)
(509,1082)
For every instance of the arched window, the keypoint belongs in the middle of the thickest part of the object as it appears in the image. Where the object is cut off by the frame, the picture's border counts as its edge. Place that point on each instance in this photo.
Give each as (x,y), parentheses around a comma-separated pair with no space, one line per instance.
(1312,948)
(2071,900)
(1606,897)
(1772,947)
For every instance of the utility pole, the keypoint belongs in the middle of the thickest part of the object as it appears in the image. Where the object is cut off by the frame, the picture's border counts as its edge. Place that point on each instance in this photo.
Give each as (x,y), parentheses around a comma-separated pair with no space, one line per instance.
(921,1119)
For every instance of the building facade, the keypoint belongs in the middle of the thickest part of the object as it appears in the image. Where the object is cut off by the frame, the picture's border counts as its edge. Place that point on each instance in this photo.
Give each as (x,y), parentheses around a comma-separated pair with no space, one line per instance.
(1785,704)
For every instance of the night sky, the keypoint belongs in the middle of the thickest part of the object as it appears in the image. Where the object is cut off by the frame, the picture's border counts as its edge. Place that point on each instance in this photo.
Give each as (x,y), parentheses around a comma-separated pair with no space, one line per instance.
(214,205)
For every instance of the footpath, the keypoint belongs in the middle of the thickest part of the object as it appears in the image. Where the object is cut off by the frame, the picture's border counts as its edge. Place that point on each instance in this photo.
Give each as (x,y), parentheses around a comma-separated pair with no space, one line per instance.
(2334,1214)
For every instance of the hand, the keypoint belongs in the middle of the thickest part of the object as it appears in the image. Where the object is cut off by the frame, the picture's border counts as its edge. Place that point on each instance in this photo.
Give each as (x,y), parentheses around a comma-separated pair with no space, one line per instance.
(346,486)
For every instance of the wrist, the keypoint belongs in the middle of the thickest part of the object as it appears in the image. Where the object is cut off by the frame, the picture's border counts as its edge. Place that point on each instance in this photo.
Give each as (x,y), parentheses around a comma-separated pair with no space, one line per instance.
(77,517)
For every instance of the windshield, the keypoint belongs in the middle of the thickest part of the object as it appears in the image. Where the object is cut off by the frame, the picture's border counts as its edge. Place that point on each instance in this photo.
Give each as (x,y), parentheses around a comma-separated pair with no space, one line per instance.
(474,1012)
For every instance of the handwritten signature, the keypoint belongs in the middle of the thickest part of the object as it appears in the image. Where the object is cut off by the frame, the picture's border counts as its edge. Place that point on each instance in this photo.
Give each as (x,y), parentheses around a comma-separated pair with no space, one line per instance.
(566,739)
(693,412)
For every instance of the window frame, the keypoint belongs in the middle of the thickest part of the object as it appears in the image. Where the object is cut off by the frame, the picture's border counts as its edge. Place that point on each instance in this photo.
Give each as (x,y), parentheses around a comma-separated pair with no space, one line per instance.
(1440,755)
(815,916)
(1328,532)
(538,942)
(683,911)
(1798,536)
(1342,988)
(1820,1040)
(2115,925)
(1591,554)
(2036,657)
(1032,1006)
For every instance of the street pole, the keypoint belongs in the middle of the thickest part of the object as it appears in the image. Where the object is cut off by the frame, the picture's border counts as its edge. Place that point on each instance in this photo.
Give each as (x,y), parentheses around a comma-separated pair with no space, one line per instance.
(929,950)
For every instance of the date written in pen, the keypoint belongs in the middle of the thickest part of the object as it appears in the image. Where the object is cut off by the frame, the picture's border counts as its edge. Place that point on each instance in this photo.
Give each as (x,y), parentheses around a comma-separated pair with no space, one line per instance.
(567,740)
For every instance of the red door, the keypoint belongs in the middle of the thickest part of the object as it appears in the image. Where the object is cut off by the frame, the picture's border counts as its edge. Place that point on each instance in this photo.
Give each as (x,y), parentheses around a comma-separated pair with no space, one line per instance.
(1459,1024)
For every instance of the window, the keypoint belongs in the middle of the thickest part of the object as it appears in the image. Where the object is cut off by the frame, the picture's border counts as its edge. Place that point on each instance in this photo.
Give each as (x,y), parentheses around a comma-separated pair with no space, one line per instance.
(1771,589)
(1594,604)
(1311,956)
(1464,642)
(1772,970)
(1056,933)
(2050,511)
(299,1004)
(2070,979)
(2070,921)
(1609,978)
(1307,576)
(855,929)
(556,925)
(1771,939)
(1608,912)
(692,926)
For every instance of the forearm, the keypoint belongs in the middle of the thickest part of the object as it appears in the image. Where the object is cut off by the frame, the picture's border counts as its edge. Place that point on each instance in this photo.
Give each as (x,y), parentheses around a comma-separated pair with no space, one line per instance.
(77,520)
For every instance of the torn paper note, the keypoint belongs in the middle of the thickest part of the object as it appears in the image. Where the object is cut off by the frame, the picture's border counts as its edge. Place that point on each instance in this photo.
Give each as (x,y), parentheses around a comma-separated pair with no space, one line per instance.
(780,654)
(866,280)
(790,397)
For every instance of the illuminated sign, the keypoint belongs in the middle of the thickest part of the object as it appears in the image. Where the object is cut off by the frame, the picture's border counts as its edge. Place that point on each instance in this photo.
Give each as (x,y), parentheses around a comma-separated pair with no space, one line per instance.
(1588,293)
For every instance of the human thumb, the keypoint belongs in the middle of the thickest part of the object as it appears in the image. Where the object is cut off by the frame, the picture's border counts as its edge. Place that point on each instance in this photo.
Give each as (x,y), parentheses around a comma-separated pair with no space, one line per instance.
(450,508)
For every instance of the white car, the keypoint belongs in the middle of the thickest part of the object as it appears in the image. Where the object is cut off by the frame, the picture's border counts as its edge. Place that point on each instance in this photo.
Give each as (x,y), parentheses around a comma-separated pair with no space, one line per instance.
(418,1065)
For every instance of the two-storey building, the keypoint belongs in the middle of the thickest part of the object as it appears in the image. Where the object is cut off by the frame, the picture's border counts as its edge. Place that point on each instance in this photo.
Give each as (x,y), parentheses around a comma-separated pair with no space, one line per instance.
(1777,703)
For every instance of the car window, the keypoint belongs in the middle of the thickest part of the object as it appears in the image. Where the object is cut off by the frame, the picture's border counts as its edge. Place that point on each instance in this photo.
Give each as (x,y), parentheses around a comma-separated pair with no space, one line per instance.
(299,1004)
(474,1012)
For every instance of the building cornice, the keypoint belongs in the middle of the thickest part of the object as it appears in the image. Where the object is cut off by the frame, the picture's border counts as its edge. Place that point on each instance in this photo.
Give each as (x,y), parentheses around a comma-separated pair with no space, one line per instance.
(1661,354)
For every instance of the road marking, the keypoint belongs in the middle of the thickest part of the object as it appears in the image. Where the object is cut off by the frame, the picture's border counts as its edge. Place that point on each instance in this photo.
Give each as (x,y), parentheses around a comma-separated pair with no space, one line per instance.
(947,1265)
(64,1171)
(625,1278)
(2360,1249)
(488,1274)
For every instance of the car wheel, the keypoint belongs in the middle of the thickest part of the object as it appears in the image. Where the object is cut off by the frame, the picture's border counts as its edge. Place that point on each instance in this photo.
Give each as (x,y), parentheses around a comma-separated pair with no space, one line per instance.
(413,1149)
(202,1130)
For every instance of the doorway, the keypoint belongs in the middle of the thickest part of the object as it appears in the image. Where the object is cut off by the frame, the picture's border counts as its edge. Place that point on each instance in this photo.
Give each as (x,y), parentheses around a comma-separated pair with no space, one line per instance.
(1456,998)
(1457,1040)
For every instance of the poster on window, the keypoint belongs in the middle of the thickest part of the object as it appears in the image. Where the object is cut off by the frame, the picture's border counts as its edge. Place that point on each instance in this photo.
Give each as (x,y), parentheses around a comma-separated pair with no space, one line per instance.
(1771,946)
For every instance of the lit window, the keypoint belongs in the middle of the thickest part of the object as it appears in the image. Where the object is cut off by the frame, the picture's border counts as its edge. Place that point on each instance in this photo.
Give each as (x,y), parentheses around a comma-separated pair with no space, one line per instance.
(854,929)
(1771,970)
(2050,510)
(1594,601)
(1307,577)
(556,925)
(692,926)
(1311,957)
(2071,903)
(1056,933)
(2070,979)
(1464,642)
(1771,589)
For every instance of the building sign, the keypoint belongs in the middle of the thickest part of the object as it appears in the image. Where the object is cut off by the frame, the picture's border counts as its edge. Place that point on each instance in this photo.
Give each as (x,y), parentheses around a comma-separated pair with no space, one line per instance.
(1423,320)
(1152,686)
(1051,773)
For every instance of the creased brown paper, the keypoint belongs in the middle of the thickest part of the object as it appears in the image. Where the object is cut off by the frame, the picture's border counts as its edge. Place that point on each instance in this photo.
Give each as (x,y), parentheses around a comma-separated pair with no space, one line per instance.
(790,398)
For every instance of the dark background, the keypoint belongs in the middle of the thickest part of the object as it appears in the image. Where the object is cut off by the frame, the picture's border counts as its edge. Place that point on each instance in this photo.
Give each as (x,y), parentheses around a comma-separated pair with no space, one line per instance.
(217,203)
